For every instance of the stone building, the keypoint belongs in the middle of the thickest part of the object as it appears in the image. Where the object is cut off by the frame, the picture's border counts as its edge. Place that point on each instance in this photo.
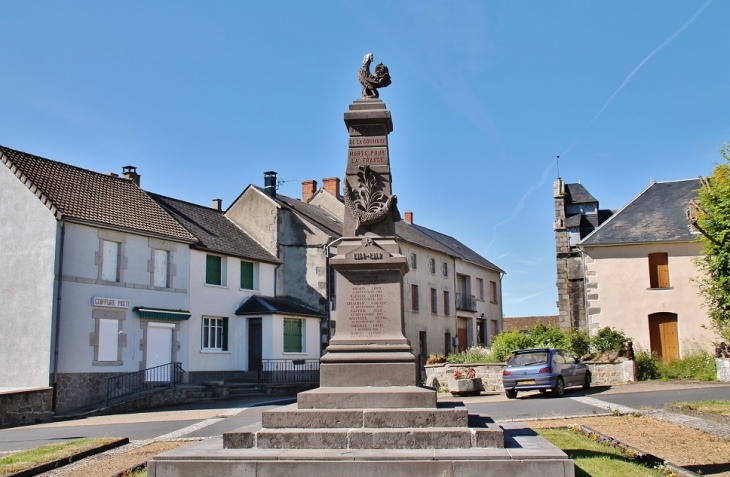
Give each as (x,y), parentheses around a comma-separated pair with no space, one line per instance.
(452,295)
(576,215)
(641,274)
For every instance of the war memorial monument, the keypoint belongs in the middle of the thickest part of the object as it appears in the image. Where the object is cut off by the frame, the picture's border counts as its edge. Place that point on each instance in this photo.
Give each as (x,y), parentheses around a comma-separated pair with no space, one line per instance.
(369,417)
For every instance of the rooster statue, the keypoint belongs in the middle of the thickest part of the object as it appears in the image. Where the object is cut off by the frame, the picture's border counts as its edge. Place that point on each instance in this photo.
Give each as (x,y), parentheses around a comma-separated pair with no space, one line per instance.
(370,83)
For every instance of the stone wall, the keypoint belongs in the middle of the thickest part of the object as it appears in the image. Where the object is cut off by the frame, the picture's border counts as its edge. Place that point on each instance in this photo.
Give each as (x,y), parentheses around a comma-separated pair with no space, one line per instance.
(602,374)
(723,369)
(25,407)
(80,390)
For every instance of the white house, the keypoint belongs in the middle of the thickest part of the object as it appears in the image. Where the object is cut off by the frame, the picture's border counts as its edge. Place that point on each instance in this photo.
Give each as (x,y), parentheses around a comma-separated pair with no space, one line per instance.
(95,279)
(236,320)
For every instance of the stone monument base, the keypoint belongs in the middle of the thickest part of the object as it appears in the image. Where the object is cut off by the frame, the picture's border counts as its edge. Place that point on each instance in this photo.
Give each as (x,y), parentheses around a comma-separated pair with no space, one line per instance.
(525,454)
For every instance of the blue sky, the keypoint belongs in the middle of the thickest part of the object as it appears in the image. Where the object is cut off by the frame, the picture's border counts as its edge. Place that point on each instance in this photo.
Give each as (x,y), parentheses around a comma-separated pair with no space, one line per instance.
(203,97)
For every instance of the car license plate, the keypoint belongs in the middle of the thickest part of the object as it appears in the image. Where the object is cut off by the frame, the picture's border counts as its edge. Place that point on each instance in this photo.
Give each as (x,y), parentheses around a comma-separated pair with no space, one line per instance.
(522,383)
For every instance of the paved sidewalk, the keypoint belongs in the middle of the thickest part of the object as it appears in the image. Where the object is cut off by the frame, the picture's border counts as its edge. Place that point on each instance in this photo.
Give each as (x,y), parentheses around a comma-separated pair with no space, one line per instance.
(76,469)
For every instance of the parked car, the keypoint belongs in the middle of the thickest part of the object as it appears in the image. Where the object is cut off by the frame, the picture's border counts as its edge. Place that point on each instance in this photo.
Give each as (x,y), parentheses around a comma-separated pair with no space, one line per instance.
(544,369)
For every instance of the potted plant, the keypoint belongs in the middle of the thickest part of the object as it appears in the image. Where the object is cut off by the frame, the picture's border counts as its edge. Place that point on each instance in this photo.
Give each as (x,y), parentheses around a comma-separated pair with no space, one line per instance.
(465,384)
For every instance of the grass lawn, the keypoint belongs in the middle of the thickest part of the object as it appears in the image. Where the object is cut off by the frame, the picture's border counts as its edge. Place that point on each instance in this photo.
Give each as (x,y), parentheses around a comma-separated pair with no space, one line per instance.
(721,407)
(40,455)
(593,459)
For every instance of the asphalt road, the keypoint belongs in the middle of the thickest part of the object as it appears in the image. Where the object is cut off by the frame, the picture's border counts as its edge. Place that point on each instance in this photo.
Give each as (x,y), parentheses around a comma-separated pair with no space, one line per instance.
(212,419)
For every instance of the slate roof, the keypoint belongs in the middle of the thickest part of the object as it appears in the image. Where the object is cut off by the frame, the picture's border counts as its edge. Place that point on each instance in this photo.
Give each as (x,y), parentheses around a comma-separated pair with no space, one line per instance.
(415,234)
(214,231)
(74,193)
(328,222)
(266,305)
(443,243)
(577,194)
(658,214)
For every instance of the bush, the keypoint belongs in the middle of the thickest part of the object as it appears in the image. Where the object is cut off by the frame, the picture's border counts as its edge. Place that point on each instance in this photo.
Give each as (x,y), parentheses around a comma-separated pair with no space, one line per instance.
(471,355)
(609,339)
(506,342)
(697,364)
(646,365)
(577,342)
(544,337)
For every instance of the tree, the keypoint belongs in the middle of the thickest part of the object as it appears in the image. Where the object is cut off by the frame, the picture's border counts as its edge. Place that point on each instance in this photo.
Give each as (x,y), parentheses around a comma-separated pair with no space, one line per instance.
(710,215)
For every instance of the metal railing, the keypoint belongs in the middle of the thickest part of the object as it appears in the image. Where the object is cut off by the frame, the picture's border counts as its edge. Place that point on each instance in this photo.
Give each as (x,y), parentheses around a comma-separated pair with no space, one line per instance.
(466,302)
(163,376)
(287,371)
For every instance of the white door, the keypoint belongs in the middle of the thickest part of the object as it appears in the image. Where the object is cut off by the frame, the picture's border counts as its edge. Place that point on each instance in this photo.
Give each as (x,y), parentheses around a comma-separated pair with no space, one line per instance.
(159,350)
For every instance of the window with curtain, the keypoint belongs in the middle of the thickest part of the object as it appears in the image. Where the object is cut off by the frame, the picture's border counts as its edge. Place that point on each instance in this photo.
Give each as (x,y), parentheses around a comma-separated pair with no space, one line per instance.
(110,261)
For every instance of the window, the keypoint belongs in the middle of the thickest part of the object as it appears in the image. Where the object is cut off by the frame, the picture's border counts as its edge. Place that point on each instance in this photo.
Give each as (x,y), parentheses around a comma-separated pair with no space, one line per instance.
(414,261)
(447,305)
(160,271)
(110,261)
(215,334)
(293,335)
(434,301)
(493,292)
(445,269)
(414,297)
(108,340)
(247,276)
(431,266)
(494,330)
(659,270)
(214,270)
(480,289)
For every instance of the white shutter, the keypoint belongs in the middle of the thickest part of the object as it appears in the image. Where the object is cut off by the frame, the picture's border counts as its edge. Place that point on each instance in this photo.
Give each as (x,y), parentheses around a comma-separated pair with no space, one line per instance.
(110,261)
(108,340)
(160,279)
(159,349)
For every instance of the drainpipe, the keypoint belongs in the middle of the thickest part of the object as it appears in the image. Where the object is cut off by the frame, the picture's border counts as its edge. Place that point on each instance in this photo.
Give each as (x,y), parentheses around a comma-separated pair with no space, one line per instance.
(328,313)
(57,331)
(456,318)
(501,306)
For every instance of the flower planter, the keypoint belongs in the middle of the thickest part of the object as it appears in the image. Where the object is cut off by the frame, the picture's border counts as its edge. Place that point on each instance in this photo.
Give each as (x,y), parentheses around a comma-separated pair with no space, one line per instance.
(465,387)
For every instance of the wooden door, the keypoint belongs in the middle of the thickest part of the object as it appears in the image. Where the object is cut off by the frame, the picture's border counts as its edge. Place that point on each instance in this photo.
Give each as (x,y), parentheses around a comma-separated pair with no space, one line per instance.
(254,344)
(461,335)
(663,335)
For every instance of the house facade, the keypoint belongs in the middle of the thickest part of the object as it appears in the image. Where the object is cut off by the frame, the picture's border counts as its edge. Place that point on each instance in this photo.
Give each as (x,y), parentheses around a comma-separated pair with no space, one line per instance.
(117,298)
(640,272)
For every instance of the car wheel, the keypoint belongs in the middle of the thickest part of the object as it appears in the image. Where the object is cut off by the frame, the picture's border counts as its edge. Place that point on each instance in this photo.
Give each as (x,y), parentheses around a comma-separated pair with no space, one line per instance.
(559,388)
(510,393)
(587,383)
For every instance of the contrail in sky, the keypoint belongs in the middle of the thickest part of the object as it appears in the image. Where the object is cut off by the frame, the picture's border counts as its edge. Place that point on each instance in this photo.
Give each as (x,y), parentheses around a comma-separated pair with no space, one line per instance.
(656,50)
(520,205)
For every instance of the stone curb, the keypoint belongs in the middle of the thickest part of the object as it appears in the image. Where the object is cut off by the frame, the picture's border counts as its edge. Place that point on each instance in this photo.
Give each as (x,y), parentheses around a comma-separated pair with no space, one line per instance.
(39,469)
(126,472)
(640,454)
(708,416)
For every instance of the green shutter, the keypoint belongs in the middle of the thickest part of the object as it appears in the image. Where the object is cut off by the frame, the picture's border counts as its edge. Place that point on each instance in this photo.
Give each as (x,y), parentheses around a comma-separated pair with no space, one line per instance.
(224,340)
(212,270)
(292,335)
(247,275)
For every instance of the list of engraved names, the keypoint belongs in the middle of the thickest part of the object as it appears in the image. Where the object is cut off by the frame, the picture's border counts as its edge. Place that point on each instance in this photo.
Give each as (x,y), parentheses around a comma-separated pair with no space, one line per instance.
(367,311)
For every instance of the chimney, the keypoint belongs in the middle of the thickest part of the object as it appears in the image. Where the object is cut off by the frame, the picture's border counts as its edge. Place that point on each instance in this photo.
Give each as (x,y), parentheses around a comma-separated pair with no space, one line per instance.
(130,173)
(332,185)
(309,187)
(270,184)
(217,204)
(409,218)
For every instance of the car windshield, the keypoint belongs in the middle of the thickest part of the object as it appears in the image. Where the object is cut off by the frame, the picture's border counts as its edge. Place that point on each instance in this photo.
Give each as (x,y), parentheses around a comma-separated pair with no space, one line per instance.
(526,359)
